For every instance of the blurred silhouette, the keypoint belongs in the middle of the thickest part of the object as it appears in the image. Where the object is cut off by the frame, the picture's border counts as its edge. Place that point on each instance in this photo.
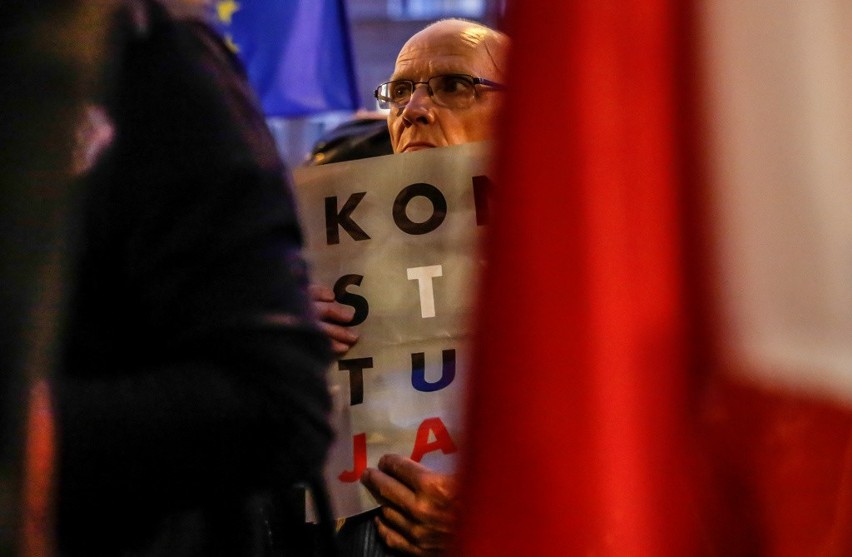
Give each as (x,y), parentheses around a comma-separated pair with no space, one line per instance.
(189,387)
(48,67)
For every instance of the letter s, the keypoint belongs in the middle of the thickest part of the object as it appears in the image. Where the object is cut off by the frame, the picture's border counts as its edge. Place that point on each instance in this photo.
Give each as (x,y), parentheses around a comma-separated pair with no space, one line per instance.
(362,308)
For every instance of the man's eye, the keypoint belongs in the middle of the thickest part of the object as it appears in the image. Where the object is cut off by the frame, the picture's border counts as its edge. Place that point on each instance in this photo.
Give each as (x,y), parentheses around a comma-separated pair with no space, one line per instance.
(454,84)
(399,90)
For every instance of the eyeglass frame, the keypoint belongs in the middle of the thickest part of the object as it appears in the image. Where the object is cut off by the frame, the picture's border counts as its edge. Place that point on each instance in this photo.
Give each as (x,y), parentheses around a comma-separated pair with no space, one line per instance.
(391,104)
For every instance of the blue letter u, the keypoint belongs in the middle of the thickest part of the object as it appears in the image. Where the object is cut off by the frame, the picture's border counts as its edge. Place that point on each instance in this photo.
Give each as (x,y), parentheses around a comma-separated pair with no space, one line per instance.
(418,372)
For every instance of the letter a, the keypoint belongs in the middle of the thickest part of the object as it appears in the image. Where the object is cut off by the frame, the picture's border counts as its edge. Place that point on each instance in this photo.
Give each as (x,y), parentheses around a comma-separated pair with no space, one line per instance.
(443,442)
(359,457)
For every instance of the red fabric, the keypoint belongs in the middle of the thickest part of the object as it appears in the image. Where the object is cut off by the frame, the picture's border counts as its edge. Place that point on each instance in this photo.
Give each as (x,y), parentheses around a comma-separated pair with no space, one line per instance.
(39,462)
(783,470)
(577,423)
(598,421)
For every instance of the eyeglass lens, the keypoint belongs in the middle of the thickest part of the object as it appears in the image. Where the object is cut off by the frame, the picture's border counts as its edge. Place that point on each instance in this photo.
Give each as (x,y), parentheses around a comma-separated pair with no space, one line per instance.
(454,91)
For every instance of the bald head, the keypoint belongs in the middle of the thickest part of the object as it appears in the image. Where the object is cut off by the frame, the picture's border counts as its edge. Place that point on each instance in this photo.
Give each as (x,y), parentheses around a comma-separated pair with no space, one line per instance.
(450,46)
(459,38)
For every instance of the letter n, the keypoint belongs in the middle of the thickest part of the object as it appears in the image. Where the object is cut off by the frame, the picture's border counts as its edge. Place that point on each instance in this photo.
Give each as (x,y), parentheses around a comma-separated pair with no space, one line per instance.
(481,188)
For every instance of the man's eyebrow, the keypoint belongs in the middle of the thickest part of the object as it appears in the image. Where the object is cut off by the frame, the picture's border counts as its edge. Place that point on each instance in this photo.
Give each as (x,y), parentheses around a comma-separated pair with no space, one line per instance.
(443,71)
(394,76)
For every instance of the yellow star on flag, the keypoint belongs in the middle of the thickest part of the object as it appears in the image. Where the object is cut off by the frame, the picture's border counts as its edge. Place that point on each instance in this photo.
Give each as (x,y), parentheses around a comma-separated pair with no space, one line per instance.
(229,40)
(225,9)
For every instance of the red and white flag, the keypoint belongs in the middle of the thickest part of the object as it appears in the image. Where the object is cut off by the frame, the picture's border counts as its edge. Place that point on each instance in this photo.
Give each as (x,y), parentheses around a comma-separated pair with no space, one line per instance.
(664,359)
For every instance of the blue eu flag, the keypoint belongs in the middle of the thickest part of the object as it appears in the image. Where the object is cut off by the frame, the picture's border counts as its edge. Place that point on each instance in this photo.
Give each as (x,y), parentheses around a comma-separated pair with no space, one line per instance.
(297,53)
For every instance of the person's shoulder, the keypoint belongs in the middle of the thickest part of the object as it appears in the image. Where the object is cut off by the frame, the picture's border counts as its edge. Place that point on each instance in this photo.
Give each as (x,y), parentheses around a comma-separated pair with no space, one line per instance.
(358,138)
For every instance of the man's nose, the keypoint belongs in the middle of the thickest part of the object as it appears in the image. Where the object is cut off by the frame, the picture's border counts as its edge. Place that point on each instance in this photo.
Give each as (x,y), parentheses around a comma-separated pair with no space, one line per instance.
(419,106)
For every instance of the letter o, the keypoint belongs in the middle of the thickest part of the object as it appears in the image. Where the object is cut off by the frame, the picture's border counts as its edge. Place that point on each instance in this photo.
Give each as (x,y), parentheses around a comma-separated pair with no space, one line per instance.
(400,204)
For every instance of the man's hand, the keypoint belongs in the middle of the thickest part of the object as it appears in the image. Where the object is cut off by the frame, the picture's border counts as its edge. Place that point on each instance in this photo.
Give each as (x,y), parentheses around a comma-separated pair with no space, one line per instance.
(332,316)
(419,506)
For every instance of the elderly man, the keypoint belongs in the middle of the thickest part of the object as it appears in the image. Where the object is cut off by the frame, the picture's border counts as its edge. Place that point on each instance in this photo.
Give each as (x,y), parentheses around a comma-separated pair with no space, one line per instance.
(445,90)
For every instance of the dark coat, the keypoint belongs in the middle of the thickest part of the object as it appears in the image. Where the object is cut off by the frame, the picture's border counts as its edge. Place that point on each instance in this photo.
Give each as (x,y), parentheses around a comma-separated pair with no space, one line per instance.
(192,386)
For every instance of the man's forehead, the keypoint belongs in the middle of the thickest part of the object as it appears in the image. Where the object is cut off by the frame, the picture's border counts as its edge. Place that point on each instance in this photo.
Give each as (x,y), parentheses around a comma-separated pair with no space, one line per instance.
(424,58)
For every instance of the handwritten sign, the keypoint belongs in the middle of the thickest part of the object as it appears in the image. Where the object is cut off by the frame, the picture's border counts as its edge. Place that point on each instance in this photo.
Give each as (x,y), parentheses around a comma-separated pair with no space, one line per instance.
(397,238)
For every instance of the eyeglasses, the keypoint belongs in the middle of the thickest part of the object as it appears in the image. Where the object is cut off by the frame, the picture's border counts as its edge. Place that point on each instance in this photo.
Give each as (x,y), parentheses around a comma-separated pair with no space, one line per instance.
(450,91)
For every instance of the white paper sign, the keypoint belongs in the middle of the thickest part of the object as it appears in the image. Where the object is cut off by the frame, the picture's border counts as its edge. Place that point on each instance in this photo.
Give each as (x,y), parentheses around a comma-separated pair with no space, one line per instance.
(397,237)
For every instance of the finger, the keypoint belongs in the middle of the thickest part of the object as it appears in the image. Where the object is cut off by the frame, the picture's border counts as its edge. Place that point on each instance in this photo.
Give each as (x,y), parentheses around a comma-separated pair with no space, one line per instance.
(396,541)
(320,293)
(339,333)
(388,490)
(425,526)
(427,529)
(398,521)
(436,489)
(339,348)
(334,312)
(404,469)
(401,540)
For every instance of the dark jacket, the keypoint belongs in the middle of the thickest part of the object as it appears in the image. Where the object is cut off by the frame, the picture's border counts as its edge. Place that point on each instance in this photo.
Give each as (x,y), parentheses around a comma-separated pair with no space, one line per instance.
(192,386)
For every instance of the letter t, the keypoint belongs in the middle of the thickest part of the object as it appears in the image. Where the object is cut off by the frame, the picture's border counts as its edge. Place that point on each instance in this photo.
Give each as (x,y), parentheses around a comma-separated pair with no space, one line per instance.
(424,276)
